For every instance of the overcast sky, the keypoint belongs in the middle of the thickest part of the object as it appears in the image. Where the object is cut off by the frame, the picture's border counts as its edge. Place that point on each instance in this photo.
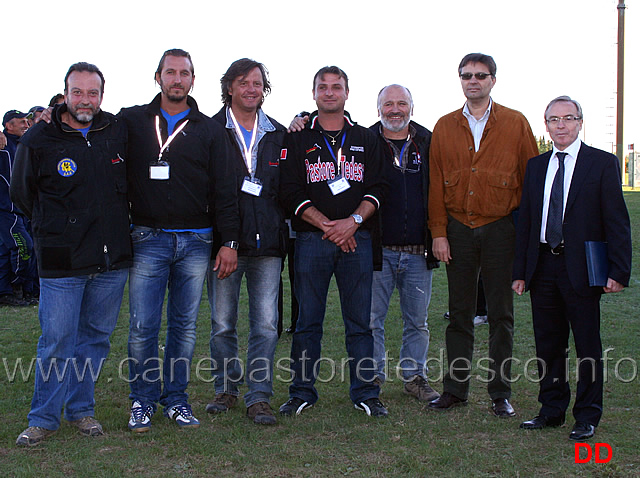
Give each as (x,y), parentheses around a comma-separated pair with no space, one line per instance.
(543,49)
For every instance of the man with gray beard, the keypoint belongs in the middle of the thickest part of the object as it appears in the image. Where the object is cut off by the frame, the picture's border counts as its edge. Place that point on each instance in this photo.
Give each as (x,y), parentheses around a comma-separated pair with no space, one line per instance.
(407,261)
(69,178)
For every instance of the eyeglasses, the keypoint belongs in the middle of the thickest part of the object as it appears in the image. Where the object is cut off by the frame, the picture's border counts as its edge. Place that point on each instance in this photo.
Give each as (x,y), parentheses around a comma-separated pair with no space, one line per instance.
(479,76)
(569,119)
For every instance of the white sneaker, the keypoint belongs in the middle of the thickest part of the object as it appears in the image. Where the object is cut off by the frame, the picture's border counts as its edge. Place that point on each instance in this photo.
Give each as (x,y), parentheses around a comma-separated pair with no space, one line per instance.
(480,320)
(140,419)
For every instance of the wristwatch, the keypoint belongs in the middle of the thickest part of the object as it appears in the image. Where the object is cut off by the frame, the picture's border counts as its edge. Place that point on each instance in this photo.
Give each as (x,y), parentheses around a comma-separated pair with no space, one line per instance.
(357,218)
(232,244)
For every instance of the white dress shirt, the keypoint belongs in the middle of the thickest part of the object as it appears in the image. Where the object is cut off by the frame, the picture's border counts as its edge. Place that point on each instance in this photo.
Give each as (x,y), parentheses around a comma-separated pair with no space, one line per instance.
(477,125)
(552,169)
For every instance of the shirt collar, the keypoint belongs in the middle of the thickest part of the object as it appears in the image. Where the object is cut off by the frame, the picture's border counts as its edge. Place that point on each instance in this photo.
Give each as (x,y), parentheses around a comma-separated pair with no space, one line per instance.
(263,121)
(572,150)
(485,116)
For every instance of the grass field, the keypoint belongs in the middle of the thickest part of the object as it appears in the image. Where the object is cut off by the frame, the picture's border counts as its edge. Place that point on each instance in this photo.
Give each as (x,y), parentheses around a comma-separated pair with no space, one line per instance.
(333,439)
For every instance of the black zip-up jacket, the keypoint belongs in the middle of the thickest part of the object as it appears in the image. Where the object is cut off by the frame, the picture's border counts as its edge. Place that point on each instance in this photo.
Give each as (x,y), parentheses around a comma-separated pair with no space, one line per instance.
(307,166)
(74,189)
(396,213)
(263,231)
(198,190)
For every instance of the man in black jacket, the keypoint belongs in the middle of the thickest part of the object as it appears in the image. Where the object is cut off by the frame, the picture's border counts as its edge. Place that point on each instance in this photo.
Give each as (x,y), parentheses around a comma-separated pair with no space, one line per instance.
(178,183)
(332,184)
(257,145)
(407,261)
(70,179)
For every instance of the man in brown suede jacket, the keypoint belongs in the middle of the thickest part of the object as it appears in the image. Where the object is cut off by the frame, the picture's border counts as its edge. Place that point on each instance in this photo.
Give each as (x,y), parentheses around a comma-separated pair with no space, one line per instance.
(478,159)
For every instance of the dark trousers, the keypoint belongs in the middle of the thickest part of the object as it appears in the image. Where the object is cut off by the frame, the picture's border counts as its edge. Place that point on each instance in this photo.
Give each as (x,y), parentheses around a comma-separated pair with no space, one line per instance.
(291,248)
(17,259)
(491,248)
(557,309)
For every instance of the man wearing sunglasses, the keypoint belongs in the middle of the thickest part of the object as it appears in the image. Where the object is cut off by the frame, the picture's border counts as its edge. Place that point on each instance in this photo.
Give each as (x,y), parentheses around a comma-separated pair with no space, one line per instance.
(477,162)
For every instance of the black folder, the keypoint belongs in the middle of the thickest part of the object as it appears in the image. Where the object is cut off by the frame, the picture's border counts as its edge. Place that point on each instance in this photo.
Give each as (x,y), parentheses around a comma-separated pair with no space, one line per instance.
(597,263)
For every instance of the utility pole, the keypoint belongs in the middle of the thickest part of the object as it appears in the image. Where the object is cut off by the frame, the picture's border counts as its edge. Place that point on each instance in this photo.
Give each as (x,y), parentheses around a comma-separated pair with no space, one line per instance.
(620,105)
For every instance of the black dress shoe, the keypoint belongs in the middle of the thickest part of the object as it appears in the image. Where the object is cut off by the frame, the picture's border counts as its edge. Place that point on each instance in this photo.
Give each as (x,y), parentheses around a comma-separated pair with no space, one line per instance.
(542,421)
(445,402)
(582,431)
(502,408)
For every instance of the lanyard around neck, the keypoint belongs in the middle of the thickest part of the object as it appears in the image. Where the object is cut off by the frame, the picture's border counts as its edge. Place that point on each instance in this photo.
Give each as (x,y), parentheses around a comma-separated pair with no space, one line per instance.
(333,155)
(169,139)
(247,151)
(398,160)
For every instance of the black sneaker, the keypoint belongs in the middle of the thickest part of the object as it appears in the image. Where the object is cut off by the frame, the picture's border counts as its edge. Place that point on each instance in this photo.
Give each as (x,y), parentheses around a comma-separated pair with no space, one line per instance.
(373,407)
(294,406)
(12,301)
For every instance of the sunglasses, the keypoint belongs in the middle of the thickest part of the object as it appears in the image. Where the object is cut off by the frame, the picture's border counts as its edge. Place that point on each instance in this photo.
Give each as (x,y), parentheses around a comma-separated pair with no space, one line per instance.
(479,76)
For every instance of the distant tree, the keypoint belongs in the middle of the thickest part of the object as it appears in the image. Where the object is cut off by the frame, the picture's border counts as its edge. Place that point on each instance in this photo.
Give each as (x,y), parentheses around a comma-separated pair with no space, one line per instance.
(544,144)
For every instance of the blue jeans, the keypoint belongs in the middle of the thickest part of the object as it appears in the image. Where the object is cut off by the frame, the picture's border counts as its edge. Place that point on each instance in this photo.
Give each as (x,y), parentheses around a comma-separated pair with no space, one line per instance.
(409,273)
(316,261)
(263,282)
(77,316)
(180,261)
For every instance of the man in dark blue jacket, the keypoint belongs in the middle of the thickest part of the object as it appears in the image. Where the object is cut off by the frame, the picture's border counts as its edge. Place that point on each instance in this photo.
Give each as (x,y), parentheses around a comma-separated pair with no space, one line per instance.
(571,195)
(407,261)
(17,265)
(70,179)
(256,148)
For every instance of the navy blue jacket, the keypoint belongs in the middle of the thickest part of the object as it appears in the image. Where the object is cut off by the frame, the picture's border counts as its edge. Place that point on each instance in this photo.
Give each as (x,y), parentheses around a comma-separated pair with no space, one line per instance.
(404,213)
(595,211)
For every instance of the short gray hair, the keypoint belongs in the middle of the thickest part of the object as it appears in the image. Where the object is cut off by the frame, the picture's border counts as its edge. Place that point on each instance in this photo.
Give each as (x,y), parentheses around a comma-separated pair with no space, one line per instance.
(397,86)
(566,98)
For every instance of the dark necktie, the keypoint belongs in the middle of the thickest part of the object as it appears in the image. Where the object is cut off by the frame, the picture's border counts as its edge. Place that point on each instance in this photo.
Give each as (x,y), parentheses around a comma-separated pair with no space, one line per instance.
(553,234)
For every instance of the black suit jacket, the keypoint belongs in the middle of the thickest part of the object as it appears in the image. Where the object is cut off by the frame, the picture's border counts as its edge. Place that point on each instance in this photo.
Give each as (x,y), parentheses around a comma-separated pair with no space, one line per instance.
(595,211)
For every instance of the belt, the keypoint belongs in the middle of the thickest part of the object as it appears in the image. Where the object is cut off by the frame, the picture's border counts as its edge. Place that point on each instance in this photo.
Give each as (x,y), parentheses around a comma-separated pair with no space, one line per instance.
(556,251)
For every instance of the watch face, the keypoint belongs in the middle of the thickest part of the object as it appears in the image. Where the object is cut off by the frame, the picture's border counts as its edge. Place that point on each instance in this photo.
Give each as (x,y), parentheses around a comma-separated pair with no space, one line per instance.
(357,218)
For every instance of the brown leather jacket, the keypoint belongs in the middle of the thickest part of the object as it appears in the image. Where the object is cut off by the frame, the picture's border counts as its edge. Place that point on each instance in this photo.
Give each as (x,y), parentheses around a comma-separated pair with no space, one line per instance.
(477,188)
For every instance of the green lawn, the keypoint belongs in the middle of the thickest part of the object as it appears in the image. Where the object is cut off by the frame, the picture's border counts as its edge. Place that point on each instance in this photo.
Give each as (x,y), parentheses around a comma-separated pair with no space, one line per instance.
(333,439)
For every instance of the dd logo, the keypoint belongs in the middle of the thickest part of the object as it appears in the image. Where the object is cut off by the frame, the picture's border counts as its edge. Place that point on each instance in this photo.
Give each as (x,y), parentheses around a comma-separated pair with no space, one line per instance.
(597,454)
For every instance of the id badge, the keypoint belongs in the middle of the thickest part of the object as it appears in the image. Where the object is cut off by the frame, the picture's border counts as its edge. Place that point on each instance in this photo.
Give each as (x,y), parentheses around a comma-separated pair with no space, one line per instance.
(338,185)
(251,186)
(159,170)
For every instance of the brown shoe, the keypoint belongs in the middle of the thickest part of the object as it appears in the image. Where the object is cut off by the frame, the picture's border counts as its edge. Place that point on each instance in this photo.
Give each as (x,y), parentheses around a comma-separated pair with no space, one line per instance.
(446,402)
(221,403)
(502,408)
(33,435)
(261,414)
(88,426)
(420,388)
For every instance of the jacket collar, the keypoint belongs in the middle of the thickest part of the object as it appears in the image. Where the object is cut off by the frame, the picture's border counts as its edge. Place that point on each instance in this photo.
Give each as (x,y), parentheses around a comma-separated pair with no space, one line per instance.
(100,121)
(315,124)
(153,108)
(263,121)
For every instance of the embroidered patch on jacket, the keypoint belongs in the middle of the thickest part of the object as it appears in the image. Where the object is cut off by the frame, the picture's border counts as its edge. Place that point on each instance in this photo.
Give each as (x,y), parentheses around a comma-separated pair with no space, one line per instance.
(283,154)
(357,148)
(117,160)
(67,167)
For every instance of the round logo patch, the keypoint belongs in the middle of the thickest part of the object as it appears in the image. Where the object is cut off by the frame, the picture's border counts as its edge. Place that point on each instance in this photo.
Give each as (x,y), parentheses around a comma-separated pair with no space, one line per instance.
(67,167)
